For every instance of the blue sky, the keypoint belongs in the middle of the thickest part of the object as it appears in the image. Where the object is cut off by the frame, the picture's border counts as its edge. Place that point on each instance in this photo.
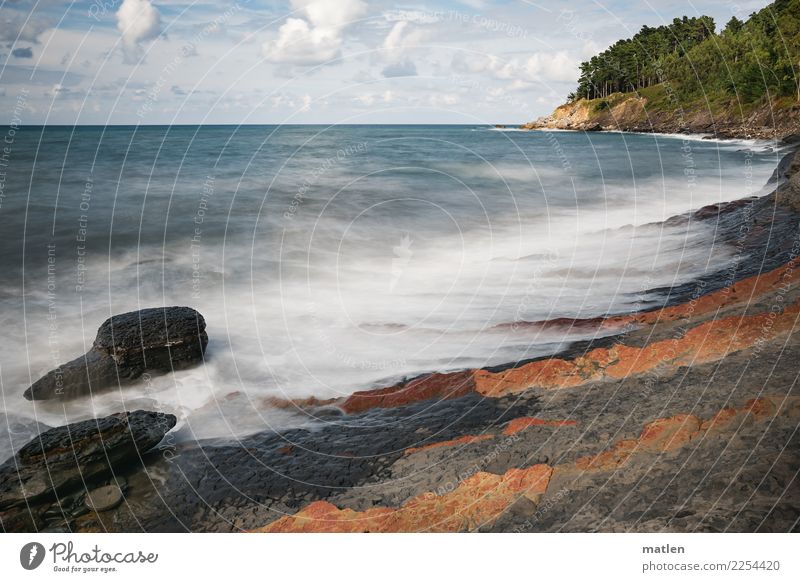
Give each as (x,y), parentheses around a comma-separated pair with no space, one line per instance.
(308,61)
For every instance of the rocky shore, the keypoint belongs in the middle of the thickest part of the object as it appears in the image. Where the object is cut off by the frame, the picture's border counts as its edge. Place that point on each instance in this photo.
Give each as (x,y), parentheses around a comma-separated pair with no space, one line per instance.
(685,418)
(636,113)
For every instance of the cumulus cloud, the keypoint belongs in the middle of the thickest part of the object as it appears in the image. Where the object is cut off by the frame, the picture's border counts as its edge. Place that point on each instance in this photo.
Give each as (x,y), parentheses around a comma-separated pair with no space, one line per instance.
(23,52)
(402,37)
(401,40)
(538,67)
(137,21)
(315,38)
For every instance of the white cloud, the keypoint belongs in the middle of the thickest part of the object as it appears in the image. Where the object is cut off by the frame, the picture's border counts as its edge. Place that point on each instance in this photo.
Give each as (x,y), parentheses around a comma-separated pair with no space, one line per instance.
(591,48)
(318,36)
(280,100)
(299,103)
(399,39)
(394,38)
(365,98)
(137,21)
(369,99)
(538,67)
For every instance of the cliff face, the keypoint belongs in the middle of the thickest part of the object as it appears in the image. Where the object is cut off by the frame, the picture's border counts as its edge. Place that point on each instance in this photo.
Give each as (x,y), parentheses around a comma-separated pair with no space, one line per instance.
(655,112)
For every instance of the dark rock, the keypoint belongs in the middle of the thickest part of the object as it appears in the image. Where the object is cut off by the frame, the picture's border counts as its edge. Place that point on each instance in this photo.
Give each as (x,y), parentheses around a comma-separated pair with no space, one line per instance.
(788,193)
(160,339)
(88,373)
(80,454)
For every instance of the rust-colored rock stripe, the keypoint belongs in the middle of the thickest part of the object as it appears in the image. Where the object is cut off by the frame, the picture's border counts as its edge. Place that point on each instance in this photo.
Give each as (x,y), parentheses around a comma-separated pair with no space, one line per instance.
(483,496)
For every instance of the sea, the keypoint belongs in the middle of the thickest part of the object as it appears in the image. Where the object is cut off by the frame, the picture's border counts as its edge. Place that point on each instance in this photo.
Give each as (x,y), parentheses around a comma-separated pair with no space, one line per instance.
(332,259)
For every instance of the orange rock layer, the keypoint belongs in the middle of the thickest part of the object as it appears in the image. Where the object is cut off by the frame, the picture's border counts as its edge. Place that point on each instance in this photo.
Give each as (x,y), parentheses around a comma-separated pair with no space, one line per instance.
(478,499)
(707,342)
(520,424)
(450,385)
(482,497)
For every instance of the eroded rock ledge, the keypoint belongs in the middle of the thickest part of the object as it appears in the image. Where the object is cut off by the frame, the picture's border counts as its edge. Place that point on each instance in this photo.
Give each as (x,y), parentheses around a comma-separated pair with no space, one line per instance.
(48,479)
(632,112)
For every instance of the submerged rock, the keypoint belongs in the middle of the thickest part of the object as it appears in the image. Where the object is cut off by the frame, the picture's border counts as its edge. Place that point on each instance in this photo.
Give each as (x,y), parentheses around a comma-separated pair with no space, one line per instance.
(160,339)
(79,455)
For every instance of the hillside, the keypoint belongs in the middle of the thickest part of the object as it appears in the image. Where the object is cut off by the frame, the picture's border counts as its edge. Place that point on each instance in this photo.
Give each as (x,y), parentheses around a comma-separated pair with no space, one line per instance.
(686,77)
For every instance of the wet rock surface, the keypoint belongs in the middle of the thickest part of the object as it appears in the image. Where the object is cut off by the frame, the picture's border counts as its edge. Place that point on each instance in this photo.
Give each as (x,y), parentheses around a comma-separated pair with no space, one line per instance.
(227,487)
(60,464)
(159,340)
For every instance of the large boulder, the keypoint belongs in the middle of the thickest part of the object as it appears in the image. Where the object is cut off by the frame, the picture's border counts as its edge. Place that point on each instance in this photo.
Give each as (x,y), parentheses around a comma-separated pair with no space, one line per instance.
(160,339)
(79,455)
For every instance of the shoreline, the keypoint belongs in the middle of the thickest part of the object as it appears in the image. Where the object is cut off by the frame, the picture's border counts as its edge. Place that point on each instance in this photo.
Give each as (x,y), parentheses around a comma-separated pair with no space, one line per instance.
(780,143)
(680,403)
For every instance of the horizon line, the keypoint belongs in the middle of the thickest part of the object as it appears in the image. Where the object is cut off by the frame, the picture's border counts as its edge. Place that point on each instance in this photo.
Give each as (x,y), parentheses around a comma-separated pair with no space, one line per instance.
(258,124)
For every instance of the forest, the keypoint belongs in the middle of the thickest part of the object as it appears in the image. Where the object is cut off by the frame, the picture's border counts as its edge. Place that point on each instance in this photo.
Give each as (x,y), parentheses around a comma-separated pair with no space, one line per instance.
(746,60)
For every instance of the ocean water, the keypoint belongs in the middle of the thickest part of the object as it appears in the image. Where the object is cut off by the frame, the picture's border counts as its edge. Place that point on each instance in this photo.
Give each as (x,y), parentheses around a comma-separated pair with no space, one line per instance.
(332,259)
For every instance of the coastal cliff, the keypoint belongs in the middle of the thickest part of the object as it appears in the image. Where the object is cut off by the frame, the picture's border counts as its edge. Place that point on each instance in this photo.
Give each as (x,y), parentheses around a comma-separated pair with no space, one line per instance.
(652,111)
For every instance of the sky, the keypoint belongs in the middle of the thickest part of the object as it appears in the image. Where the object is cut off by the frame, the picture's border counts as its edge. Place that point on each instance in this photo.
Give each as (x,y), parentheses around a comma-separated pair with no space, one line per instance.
(309,61)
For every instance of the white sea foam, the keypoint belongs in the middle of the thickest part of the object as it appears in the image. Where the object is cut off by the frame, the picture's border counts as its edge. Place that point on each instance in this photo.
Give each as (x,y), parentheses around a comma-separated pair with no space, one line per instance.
(383,274)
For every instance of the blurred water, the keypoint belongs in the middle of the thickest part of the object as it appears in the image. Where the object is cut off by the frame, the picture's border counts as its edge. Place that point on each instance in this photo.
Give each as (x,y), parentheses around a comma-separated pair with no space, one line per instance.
(330,259)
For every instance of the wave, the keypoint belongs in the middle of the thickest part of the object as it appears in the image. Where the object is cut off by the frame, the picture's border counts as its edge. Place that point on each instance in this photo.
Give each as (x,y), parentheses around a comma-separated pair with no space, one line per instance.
(397,274)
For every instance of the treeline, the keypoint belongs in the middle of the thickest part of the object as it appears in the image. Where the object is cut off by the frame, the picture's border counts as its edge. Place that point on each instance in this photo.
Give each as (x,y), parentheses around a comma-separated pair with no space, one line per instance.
(746,59)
